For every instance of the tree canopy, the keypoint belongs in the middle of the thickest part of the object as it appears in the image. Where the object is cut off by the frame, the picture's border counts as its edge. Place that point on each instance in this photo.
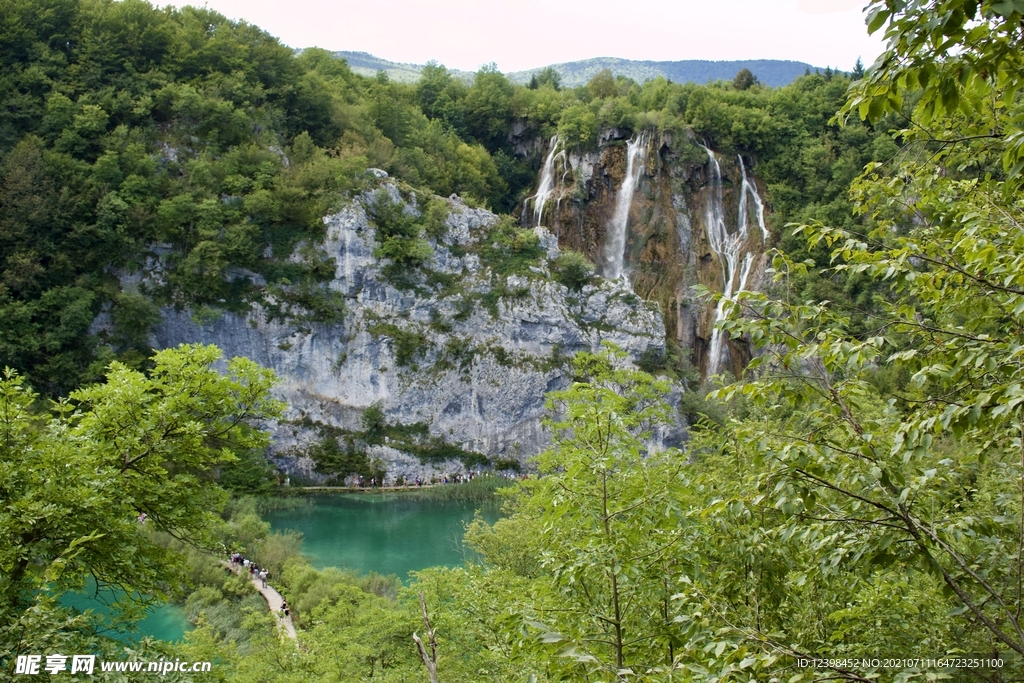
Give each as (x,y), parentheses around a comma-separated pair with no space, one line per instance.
(79,474)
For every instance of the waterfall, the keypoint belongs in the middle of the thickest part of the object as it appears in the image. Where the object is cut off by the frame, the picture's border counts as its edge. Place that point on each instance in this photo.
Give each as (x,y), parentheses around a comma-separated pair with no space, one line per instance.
(736,266)
(615,233)
(749,188)
(547,180)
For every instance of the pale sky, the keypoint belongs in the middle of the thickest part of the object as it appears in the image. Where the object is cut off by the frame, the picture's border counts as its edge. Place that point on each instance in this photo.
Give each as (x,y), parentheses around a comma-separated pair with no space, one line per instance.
(523,34)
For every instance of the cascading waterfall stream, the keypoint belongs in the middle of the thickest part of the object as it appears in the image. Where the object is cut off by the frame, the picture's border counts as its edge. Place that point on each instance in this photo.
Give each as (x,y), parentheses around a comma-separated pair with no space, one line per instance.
(736,266)
(615,235)
(547,180)
(749,188)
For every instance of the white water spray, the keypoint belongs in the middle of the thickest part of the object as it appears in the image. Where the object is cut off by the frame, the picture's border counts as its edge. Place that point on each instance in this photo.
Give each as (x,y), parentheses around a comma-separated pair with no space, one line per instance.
(736,266)
(547,179)
(615,233)
(749,188)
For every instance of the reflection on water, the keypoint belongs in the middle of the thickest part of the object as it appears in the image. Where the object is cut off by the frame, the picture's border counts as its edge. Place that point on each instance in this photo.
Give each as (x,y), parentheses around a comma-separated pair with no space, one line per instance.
(388,533)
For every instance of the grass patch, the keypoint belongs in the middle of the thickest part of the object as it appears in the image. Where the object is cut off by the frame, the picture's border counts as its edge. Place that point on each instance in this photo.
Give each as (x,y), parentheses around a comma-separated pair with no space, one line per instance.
(483,488)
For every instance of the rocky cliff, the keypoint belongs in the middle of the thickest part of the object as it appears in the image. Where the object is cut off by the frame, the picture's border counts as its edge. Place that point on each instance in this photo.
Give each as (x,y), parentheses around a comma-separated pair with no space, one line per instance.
(449,356)
(695,217)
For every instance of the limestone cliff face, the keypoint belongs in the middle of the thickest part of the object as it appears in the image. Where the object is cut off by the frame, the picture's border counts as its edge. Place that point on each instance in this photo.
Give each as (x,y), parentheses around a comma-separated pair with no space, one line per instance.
(472,359)
(675,229)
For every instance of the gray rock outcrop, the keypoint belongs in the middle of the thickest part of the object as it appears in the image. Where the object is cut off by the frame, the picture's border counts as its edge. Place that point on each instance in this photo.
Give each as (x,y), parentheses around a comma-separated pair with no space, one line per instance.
(468,353)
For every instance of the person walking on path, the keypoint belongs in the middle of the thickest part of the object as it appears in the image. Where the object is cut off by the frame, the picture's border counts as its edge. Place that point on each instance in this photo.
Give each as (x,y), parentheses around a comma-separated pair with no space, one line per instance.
(275,601)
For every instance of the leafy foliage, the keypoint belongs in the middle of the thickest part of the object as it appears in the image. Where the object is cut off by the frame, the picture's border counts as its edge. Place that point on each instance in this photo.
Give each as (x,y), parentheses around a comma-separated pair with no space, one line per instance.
(962,69)
(892,455)
(608,518)
(511,250)
(859,491)
(574,270)
(77,475)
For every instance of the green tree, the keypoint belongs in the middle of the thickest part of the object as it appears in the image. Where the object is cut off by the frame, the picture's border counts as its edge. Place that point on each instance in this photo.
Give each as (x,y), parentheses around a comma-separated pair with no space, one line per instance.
(929,479)
(547,76)
(961,63)
(607,510)
(903,446)
(75,476)
(578,127)
(602,85)
(744,80)
(858,70)
(488,106)
(434,80)
(399,235)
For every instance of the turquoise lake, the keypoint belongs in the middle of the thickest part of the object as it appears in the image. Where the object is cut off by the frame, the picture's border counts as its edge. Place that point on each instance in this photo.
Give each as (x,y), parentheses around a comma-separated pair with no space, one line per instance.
(388,533)
(165,622)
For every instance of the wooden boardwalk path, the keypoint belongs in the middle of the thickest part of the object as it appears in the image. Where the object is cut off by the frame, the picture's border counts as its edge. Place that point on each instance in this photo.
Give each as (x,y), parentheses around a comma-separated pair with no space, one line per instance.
(274,602)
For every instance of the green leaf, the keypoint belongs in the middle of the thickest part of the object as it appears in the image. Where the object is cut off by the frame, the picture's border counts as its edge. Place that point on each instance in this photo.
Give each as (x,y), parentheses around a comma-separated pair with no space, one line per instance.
(876,18)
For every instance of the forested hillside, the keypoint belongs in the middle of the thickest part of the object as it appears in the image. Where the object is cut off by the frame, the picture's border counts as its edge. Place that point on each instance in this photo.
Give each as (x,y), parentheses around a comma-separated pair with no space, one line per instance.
(854,494)
(130,131)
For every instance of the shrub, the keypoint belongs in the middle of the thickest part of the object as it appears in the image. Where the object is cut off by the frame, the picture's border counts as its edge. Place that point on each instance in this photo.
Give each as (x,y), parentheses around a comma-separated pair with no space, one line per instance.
(409,344)
(306,302)
(573,270)
(278,549)
(510,249)
(341,454)
(652,360)
(507,464)
(374,423)
(399,237)
(435,217)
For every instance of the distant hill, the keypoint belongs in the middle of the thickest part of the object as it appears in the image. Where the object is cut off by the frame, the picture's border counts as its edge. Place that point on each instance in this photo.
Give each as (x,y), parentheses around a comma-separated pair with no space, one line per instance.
(365,64)
(773,72)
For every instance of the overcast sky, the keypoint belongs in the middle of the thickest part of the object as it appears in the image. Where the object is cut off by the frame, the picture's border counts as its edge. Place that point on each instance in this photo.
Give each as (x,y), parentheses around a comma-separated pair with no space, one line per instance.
(522,34)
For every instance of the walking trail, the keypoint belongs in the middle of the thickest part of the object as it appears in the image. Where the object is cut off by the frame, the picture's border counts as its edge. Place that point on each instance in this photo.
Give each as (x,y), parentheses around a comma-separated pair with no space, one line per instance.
(274,602)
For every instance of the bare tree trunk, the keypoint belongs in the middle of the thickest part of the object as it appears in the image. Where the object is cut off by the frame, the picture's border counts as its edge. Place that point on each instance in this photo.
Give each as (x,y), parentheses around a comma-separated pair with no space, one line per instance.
(429,660)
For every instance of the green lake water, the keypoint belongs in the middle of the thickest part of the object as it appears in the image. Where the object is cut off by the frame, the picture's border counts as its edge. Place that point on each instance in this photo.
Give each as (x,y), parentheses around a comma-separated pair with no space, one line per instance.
(387,533)
(164,622)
